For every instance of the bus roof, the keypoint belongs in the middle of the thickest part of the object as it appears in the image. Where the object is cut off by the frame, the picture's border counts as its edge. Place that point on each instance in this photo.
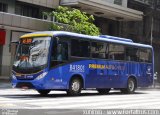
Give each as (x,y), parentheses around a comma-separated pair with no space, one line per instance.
(116,38)
(104,38)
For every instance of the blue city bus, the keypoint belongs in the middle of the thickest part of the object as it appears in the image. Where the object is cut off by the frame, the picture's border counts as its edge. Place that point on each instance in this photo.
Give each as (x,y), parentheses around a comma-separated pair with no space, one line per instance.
(66,61)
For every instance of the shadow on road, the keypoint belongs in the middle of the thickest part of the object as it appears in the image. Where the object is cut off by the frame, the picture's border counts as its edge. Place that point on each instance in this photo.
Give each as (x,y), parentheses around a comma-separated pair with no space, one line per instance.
(64,95)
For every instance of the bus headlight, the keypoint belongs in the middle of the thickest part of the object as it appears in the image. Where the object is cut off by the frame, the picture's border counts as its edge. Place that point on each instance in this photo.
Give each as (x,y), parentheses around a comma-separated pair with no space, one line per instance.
(13,76)
(41,76)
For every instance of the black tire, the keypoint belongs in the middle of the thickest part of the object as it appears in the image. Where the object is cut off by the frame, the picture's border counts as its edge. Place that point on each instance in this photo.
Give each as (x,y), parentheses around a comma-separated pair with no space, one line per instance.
(43,92)
(75,87)
(103,91)
(131,86)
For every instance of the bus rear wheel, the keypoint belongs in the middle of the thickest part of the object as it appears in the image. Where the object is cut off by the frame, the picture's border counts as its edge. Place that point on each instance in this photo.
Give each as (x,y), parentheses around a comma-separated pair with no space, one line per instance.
(75,87)
(103,91)
(43,92)
(131,86)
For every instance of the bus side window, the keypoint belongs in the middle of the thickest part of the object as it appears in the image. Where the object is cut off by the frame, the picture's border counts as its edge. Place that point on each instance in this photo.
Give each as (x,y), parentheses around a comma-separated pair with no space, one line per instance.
(149,55)
(145,55)
(84,48)
(116,52)
(132,54)
(59,53)
(75,50)
(62,51)
(98,50)
(80,48)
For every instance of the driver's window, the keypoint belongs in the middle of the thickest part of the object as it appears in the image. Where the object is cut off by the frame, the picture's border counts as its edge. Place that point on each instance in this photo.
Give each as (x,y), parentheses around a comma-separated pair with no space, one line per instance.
(59,53)
(62,51)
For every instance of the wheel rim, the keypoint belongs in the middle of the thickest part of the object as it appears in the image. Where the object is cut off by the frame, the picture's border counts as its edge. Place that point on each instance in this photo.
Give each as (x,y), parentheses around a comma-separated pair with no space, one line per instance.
(75,86)
(131,85)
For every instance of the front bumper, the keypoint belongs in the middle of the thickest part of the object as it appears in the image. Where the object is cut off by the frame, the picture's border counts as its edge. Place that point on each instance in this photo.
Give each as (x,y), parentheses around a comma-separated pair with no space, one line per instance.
(28,84)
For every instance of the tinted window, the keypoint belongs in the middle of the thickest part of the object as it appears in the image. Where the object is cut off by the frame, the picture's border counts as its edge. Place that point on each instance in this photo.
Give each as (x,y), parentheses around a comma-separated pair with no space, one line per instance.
(3,7)
(99,50)
(59,52)
(132,54)
(80,48)
(26,10)
(145,55)
(116,52)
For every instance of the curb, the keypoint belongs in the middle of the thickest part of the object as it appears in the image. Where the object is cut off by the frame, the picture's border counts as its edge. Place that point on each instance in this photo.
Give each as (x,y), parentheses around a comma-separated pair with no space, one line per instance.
(4,79)
(149,88)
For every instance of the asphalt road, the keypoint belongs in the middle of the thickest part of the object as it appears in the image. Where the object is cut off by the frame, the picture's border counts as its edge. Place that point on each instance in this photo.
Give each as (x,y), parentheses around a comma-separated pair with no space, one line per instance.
(58,103)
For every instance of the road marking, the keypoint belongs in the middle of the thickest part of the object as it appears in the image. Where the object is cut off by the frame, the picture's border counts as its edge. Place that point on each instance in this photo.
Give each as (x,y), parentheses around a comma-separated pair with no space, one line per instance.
(7,105)
(30,100)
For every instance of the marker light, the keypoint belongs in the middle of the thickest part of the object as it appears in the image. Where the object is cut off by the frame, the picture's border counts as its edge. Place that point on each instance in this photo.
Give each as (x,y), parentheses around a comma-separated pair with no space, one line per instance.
(41,76)
(13,76)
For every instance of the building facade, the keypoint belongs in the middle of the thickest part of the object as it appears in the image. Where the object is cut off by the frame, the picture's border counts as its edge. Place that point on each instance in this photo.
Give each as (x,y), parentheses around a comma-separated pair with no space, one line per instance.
(16,18)
(149,29)
(108,13)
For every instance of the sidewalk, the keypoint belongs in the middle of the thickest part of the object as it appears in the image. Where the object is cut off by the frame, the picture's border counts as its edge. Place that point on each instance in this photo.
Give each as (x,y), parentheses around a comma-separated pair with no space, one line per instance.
(5,85)
(5,82)
(154,86)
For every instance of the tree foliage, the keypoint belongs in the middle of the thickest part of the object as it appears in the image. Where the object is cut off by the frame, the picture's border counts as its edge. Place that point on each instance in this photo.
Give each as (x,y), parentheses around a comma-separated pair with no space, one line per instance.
(73,20)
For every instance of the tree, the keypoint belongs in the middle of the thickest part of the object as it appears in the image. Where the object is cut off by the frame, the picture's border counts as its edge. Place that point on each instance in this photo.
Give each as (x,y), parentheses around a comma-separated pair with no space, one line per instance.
(70,19)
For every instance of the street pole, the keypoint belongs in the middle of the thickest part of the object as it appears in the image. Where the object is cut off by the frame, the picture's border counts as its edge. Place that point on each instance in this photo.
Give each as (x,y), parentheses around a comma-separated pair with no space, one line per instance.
(154,7)
(152,29)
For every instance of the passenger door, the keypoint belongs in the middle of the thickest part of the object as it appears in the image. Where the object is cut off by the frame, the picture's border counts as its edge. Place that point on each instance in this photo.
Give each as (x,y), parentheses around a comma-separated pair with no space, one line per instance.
(59,56)
(146,66)
(116,65)
(98,77)
(59,53)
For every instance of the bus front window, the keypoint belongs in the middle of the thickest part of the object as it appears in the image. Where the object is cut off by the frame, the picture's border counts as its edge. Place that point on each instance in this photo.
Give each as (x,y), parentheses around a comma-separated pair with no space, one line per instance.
(32,55)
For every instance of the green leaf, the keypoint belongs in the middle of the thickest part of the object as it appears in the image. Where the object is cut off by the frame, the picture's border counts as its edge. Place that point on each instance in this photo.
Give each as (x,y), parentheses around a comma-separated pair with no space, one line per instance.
(77,21)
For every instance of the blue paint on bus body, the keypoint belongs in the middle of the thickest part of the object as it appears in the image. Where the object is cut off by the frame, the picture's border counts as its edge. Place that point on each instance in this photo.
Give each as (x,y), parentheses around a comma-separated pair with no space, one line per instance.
(110,74)
(95,73)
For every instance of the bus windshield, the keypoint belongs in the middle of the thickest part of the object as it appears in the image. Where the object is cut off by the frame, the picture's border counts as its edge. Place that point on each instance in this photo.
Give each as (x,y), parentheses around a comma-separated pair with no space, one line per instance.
(32,54)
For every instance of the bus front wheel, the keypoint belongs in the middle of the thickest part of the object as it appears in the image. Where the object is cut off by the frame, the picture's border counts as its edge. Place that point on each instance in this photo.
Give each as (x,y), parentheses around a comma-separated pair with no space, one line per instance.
(103,91)
(43,92)
(75,87)
(131,86)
